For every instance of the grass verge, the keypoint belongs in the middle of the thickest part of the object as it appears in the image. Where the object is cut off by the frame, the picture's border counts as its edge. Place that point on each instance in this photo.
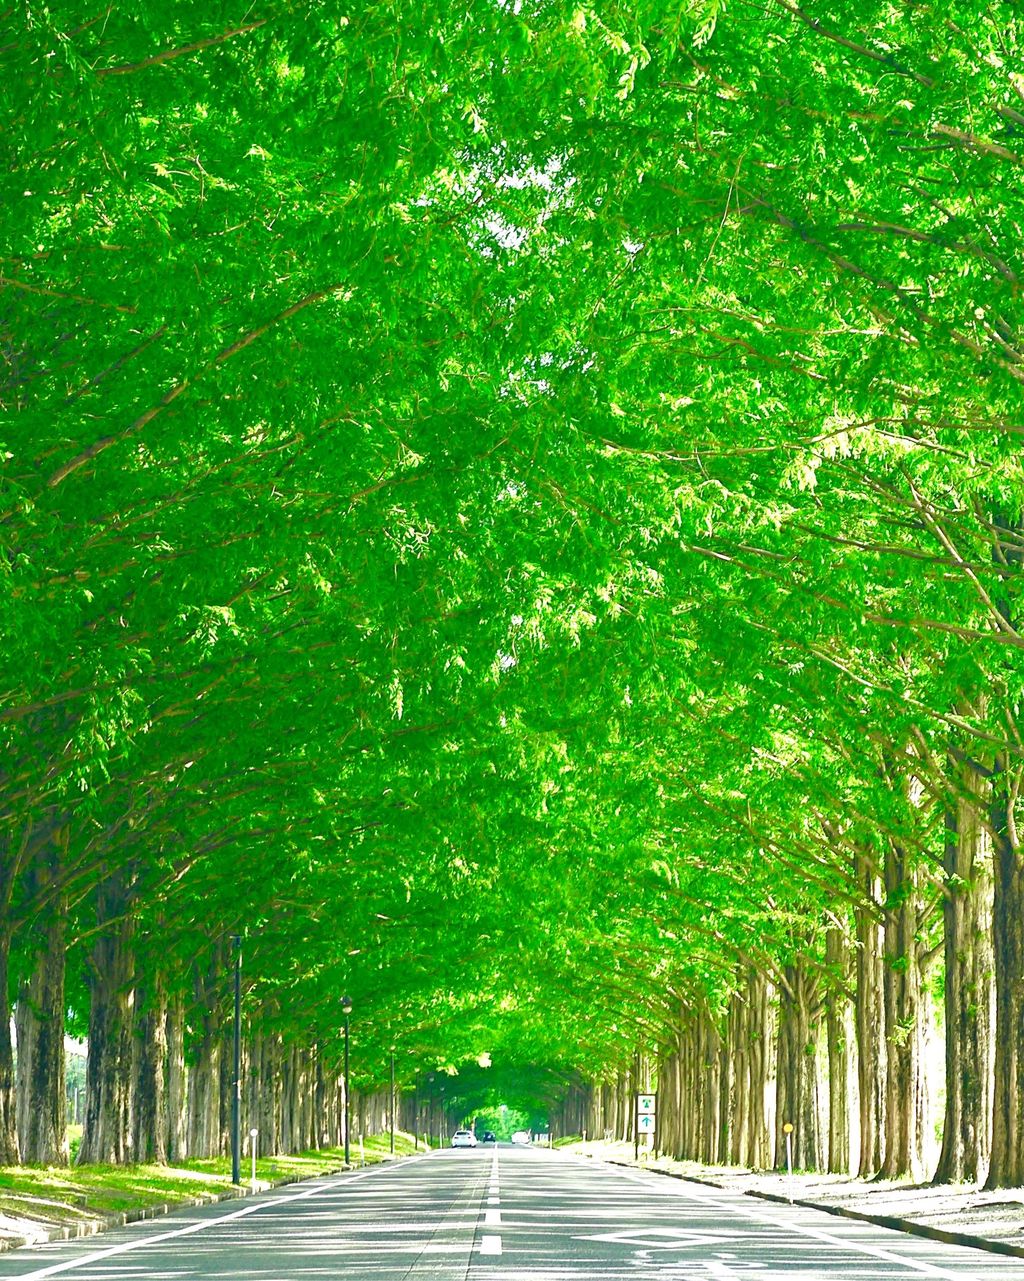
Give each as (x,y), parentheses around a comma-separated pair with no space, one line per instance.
(37,1200)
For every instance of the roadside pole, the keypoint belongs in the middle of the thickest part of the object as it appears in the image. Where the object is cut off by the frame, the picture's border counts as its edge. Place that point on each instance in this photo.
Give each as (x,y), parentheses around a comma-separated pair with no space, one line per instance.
(392,1100)
(646,1118)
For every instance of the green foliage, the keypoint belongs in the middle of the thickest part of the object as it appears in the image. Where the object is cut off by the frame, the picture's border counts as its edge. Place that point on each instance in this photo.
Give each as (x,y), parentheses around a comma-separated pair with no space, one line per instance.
(498,510)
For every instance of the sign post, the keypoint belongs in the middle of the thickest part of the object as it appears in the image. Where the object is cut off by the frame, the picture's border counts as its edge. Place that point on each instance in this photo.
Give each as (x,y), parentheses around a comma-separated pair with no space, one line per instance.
(646,1117)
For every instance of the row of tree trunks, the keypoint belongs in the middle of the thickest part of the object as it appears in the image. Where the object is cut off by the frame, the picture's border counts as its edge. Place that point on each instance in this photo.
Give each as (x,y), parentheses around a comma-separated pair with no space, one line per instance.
(144,1102)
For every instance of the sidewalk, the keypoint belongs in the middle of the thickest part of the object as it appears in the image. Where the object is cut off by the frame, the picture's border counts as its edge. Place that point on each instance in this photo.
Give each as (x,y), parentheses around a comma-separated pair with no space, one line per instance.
(959,1213)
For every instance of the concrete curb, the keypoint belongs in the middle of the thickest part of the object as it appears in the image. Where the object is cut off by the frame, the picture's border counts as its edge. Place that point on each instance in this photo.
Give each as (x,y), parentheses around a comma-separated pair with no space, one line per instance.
(94,1226)
(946,1235)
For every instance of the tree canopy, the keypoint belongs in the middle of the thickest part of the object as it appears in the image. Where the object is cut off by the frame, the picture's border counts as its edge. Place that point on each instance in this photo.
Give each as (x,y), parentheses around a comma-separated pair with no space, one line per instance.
(498,508)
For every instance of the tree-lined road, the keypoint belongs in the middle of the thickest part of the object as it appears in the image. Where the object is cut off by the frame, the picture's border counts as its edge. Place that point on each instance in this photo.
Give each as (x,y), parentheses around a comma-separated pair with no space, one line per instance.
(485,1215)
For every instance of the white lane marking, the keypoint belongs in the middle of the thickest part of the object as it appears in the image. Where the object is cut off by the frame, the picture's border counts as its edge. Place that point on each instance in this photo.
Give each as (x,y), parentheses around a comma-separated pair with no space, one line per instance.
(492,1218)
(126,1246)
(667,1238)
(494,1200)
(490,1245)
(816,1234)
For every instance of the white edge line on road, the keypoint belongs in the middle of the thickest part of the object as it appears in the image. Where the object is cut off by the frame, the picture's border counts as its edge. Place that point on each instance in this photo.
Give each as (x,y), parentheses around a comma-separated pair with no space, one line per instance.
(817,1234)
(85,1261)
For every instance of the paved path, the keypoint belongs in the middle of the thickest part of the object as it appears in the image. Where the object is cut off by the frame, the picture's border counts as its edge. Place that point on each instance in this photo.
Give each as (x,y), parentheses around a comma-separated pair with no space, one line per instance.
(486,1215)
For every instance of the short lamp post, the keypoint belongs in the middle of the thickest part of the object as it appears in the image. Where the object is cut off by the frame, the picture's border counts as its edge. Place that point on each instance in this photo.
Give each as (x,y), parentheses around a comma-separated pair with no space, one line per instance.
(346,1009)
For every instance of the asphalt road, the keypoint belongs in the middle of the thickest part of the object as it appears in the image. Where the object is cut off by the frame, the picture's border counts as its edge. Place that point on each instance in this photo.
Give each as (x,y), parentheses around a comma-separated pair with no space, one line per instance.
(487,1215)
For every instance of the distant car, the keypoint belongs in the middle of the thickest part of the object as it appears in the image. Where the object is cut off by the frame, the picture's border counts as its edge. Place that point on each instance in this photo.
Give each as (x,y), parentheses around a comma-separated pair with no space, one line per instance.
(463,1139)
(488,1136)
(521,1137)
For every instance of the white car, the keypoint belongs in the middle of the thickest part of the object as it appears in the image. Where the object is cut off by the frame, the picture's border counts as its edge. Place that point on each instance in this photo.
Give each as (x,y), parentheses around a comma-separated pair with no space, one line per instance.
(522,1137)
(463,1139)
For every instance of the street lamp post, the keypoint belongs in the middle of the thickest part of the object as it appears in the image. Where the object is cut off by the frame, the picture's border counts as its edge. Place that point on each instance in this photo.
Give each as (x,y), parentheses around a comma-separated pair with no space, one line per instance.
(430,1110)
(346,1009)
(236,1098)
(392,1100)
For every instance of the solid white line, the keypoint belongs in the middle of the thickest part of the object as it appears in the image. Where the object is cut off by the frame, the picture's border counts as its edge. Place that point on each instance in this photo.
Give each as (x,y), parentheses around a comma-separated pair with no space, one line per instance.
(89,1259)
(816,1234)
(490,1245)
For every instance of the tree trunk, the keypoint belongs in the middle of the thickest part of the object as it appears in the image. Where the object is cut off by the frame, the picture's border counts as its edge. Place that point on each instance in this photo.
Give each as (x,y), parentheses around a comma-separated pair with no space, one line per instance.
(290,1102)
(226,1093)
(869,1020)
(836,1012)
(740,1072)
(177,1080)
(725,1095)
(1006,1168)
(709,1059)
(42,1101)
(969,994)
(9,1154)
(204,1077)
(269,1112)
(905,1098)
(108,1084)
(150,1119)
(797,1100)
(41,1097)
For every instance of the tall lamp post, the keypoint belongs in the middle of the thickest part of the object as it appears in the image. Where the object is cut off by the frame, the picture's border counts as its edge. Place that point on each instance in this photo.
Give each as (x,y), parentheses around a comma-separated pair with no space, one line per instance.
(346,1009)
(236,1099)
(430,1110)
(392,1100)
